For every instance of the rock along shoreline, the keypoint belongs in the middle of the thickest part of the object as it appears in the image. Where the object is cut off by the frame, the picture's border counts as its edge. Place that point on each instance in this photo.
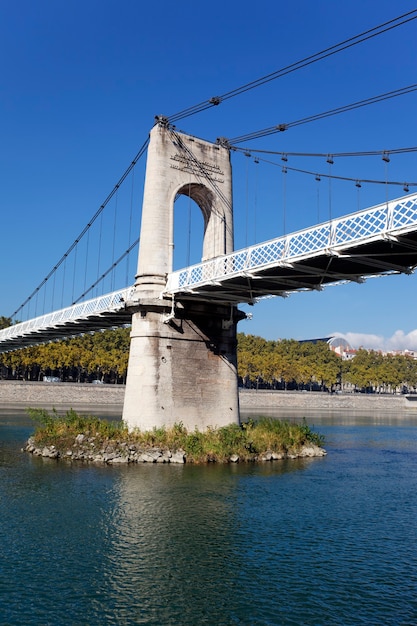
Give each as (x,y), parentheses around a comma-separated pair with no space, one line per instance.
(85,450)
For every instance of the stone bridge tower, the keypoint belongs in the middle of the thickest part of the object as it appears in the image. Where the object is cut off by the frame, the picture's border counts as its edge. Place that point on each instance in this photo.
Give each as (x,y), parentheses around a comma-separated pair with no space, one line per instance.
(182,361)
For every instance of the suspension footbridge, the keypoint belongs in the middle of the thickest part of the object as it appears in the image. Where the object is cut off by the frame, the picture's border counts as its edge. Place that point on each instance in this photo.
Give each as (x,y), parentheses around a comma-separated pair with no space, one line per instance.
(182,363)
(378,241)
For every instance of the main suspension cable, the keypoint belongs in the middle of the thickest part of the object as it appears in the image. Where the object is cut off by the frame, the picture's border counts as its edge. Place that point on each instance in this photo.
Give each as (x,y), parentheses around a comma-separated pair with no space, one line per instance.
(318,56)
(107,272)
(312,118)
(126,173)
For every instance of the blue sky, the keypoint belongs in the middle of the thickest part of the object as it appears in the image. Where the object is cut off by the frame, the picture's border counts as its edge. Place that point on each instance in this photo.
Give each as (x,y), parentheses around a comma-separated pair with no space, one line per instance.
(81,83)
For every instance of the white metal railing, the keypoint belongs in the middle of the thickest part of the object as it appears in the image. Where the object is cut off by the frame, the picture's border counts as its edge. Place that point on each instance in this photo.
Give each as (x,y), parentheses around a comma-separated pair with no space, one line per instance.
(109,302)
(393,218)
(390,218)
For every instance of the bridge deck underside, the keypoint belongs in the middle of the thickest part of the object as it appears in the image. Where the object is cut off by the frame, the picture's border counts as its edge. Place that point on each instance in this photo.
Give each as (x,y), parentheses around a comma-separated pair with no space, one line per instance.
(394,255)
(68,329)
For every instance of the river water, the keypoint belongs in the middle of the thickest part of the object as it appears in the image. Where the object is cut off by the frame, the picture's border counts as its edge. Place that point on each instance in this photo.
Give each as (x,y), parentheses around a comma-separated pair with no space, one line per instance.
(326,541)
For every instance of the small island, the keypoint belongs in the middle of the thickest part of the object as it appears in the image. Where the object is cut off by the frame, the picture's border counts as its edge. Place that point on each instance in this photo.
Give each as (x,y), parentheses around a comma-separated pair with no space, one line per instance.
(74,437)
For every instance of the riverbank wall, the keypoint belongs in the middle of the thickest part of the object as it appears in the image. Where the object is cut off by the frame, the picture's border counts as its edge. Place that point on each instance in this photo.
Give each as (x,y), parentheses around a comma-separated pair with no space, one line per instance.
(319,402)
(108,399)
(86,398)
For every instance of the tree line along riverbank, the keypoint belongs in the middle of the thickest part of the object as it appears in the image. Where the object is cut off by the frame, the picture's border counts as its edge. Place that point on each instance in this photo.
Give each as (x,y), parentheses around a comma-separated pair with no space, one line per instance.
(282,365)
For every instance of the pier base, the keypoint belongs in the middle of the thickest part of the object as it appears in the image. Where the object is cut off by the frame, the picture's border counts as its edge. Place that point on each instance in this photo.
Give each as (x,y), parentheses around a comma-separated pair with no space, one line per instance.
(182,367)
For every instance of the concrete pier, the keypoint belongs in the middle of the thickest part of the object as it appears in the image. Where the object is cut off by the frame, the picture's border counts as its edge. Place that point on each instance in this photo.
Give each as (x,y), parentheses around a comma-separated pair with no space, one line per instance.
(182,361)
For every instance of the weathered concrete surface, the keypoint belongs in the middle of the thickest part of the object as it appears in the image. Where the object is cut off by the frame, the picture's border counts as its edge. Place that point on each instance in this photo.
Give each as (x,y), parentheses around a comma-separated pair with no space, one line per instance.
(184,371)
(108,399)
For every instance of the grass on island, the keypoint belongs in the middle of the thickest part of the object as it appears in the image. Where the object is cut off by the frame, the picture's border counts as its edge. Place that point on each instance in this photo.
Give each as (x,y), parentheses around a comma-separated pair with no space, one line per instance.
(248,440)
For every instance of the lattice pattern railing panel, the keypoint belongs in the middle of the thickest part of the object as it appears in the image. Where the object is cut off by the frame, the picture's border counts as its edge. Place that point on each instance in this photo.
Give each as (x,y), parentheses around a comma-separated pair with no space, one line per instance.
(337,234)
(308,241)
(405,216)
(365,225)
(264,254)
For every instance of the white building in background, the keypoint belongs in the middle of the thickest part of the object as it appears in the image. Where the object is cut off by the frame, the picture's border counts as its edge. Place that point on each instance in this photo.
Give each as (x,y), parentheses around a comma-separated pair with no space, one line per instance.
(412,354)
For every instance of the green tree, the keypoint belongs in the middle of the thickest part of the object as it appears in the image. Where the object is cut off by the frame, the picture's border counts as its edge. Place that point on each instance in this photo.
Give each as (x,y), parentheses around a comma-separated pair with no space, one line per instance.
(5,322)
